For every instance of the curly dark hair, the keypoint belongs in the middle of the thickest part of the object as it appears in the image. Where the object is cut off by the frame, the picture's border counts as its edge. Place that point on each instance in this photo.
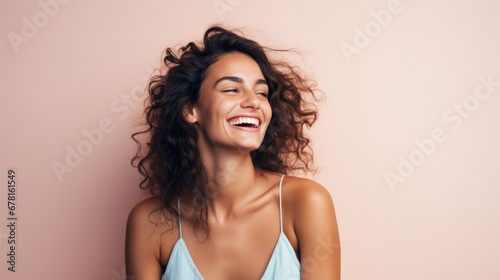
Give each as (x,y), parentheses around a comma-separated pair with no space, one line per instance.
(170,160)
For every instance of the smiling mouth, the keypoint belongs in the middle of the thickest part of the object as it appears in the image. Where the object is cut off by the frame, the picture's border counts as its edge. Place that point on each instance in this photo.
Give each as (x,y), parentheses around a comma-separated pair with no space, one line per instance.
(244,122)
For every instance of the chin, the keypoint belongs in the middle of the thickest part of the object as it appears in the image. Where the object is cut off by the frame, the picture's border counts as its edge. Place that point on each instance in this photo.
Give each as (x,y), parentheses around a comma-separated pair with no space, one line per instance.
(248,148)
(245,150)
(251,144)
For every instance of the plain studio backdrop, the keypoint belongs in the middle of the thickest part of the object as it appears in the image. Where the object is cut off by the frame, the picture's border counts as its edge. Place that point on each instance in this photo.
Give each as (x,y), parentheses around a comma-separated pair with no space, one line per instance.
(407,141)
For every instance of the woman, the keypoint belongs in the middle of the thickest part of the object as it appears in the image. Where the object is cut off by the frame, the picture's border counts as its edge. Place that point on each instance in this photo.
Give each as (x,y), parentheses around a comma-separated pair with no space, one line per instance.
(224,126)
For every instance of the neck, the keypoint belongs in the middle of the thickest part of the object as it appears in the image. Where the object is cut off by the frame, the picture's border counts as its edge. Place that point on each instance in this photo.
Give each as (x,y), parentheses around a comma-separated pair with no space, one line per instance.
(232,178)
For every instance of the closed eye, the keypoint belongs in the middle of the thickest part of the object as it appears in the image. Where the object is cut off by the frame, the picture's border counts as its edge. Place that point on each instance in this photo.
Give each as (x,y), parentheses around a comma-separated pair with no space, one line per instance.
(230,90)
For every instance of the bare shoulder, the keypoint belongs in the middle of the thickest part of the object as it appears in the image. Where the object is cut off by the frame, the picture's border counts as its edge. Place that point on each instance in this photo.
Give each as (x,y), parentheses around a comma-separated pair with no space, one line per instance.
(148,217)
(148,231)
(308,204)
(143,212)
(305,193)
(315,230)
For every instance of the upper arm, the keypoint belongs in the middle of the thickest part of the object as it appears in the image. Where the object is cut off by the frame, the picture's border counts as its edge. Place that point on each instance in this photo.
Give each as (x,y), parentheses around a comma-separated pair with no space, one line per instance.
(142,244)
(316,229)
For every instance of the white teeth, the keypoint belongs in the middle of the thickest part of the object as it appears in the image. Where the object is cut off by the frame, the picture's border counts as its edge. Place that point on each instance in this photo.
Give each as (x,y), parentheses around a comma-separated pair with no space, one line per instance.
(241,120)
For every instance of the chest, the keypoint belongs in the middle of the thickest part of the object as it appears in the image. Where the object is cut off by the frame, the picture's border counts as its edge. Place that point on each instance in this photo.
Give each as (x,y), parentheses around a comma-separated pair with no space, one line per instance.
(239,249)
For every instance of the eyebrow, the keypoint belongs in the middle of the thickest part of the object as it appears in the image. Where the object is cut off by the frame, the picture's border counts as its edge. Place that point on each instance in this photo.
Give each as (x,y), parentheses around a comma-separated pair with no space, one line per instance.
(238,80)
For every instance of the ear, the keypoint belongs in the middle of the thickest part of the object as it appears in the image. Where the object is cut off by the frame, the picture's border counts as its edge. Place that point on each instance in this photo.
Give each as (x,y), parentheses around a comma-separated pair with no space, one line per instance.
(189,114)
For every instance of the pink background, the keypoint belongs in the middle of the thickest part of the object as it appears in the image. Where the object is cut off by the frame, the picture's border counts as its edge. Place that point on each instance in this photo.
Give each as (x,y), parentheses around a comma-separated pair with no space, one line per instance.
(392,79)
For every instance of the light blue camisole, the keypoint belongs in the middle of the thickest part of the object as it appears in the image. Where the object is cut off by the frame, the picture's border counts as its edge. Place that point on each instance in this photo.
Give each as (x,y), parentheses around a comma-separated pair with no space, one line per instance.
(283,264)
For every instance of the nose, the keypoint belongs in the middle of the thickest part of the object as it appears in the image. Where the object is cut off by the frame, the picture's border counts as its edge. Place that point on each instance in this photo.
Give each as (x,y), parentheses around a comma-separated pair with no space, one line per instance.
(250,100)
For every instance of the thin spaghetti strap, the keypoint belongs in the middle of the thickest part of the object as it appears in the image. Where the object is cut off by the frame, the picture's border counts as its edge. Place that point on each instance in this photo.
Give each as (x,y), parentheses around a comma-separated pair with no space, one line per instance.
(281,204)
(179,212)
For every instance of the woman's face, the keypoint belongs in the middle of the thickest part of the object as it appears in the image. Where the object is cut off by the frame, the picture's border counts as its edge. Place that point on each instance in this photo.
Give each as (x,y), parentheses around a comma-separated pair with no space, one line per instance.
(233,110)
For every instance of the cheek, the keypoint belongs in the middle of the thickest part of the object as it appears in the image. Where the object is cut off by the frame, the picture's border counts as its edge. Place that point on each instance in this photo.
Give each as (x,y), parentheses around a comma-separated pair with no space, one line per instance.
(268,112)
(215,114)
